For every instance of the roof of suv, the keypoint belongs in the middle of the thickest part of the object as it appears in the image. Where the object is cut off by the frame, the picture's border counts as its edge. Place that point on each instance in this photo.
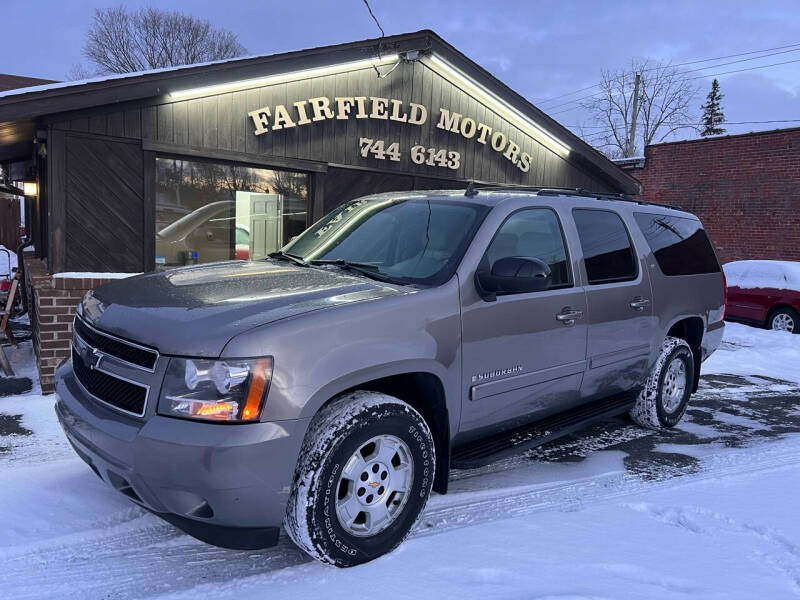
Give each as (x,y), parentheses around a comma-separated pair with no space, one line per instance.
(493,195)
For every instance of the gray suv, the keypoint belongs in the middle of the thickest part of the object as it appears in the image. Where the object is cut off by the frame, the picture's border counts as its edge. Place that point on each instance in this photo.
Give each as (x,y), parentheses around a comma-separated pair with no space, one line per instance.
(330,387)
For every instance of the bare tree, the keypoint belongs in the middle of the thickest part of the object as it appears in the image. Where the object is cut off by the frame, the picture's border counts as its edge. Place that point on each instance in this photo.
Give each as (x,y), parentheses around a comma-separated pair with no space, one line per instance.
(123,41)
(665,98)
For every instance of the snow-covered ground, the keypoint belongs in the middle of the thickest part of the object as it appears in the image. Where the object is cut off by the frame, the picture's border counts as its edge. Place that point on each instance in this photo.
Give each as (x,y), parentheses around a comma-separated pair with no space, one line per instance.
(705,511)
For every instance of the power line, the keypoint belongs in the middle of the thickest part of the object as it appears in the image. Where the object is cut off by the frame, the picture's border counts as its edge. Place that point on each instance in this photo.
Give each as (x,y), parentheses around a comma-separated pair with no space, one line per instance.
(567,94)
(703,76)
(770,121)
(594,137)
(787,62)
(724,123)
(374,18)
(736,61)
(575,100)
(795,48)
(694,62)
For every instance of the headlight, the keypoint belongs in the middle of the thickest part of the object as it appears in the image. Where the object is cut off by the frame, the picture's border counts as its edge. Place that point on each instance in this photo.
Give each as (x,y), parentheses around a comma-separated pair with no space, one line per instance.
(215,390)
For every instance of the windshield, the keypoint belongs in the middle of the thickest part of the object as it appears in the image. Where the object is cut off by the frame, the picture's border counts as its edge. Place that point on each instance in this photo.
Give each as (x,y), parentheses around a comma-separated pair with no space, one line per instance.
(417,240)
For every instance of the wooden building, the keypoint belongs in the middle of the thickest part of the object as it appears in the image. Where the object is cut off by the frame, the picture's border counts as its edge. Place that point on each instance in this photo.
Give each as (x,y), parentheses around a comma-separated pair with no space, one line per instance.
(231,159)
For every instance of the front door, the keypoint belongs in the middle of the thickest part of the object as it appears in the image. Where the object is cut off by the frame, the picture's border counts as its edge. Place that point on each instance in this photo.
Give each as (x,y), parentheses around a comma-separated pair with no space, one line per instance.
(524,354)
(622,327)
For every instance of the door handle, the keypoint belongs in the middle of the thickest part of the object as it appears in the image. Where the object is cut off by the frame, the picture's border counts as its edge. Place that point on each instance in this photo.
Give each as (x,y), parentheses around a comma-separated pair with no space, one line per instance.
(568,316)
(638,304)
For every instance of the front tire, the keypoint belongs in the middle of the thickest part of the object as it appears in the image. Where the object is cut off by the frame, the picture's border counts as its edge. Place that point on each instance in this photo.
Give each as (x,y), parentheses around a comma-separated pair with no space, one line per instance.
(662,402)
(362,480)
(784,319)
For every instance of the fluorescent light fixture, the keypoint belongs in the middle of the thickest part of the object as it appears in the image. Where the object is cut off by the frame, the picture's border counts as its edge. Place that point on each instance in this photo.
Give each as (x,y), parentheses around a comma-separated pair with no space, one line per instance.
(504,109)
(284,77)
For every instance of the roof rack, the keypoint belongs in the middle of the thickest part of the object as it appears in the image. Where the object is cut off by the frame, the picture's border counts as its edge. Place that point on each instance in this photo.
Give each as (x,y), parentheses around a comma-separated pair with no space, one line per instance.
(474,188)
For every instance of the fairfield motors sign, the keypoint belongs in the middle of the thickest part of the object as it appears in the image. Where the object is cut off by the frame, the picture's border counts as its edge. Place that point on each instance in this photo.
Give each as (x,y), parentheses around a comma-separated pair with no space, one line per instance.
(269,119)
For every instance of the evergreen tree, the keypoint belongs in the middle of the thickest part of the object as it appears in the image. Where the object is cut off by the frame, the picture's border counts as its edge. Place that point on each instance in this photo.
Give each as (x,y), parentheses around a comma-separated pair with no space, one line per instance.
(713,117)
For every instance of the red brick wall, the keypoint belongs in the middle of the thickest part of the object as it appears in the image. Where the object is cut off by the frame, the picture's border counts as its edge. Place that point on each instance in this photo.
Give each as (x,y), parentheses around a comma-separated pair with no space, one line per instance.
(745,189)
(51,304)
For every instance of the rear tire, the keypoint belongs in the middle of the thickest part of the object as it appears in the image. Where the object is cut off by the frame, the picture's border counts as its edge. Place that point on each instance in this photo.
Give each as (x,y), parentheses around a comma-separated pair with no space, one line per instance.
(784,319)
(662,402)
(362,480)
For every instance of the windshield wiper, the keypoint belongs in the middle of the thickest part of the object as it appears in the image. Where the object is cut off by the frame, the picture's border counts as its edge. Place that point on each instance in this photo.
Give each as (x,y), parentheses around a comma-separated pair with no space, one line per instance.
(340,262)
(367,269)
(280,254)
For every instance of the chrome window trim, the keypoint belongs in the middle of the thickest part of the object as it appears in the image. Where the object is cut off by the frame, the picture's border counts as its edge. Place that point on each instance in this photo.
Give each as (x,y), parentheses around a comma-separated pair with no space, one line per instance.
(122,341)
(115,376)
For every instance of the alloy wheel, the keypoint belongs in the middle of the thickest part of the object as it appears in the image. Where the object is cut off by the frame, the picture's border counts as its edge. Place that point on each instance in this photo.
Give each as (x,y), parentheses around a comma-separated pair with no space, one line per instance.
(674,385)
(374,485)
(783,322)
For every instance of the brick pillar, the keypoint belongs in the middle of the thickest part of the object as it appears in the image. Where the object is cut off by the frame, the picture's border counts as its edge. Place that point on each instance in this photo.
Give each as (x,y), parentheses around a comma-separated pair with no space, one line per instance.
(51,304)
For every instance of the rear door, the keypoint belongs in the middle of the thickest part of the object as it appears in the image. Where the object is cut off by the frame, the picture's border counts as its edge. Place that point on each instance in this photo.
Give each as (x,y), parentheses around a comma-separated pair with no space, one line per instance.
(520,359)
(622,327)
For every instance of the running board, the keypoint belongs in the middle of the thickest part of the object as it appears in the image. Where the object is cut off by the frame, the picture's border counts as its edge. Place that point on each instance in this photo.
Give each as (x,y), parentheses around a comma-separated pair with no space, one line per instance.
(514,441)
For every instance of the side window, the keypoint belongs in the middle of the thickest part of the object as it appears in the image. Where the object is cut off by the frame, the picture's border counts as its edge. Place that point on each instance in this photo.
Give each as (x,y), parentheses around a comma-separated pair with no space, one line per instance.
(680,245)
(607,250)
(534,233)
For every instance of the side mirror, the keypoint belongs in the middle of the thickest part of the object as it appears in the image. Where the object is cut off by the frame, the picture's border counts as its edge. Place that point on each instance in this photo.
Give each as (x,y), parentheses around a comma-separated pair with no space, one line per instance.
(513,275)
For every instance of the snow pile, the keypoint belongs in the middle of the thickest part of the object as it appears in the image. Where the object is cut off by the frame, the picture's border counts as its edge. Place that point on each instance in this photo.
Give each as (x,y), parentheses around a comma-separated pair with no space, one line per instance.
(754,274)
(93,275)
(750,351)
(4,266)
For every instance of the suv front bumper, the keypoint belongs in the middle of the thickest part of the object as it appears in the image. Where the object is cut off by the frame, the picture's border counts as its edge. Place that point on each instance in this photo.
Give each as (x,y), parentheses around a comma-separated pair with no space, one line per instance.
(222,483)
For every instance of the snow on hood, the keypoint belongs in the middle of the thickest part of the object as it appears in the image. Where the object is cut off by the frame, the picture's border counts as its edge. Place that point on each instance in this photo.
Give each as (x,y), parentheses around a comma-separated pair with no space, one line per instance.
(754,274)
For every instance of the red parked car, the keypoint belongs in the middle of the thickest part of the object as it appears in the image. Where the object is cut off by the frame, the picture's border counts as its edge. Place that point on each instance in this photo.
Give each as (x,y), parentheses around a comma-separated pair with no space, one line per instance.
(764,292)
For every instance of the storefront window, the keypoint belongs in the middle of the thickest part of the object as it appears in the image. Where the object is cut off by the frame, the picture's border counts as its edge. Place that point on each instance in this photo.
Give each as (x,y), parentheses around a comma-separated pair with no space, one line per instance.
(208,211)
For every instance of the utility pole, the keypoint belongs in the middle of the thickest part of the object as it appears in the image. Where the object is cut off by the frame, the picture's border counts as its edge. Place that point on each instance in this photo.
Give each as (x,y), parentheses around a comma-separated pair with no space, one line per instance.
(632,137)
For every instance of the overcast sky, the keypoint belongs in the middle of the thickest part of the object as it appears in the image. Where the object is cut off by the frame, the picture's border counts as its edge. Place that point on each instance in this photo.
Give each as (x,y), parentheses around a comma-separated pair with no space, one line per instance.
(541,49)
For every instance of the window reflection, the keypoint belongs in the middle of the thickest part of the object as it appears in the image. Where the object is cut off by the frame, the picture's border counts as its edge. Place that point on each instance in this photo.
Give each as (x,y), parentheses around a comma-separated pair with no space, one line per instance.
(208,211)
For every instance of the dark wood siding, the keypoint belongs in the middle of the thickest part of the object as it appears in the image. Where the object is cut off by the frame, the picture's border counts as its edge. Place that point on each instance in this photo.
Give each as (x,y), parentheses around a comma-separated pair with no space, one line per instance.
(221,123)
(103,220)
(101,195)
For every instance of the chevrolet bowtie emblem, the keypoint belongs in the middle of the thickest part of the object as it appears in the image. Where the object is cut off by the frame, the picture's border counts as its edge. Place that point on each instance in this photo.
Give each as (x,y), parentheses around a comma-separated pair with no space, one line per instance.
(94,359)
(373,484)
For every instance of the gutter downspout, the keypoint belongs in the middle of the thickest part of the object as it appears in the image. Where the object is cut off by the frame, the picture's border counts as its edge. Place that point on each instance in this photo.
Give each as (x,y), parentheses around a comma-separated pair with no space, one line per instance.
(21,269)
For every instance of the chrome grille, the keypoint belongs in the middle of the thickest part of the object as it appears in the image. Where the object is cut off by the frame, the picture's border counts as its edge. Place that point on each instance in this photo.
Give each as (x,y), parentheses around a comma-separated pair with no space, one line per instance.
(120,394)
(129,352)
(111,370)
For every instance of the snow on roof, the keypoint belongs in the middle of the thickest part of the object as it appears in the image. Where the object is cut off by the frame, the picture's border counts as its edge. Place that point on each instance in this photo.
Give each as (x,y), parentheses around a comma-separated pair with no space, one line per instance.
(755,274)
(118,76)
(92,275)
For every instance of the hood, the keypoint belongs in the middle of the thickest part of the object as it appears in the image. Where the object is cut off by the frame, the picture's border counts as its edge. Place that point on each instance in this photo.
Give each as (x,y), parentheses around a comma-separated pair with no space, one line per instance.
(195,311)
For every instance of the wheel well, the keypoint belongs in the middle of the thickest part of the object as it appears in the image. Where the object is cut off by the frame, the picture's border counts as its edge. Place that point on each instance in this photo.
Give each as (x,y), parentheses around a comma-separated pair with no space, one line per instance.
(691,329)
(776,307)
(425,393)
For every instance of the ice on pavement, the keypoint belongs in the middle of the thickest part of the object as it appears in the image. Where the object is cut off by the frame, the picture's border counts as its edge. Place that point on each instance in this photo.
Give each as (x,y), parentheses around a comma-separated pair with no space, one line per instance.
(707,511)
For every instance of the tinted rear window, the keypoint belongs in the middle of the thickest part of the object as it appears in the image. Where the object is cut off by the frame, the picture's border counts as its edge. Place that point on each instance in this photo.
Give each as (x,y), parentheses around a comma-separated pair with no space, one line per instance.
(680,245)
(607,250)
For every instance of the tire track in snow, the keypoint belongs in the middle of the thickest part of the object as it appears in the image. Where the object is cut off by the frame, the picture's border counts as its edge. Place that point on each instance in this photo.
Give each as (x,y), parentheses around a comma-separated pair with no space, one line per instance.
(701,521)
(133,554)
(607,487)
(127,560)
